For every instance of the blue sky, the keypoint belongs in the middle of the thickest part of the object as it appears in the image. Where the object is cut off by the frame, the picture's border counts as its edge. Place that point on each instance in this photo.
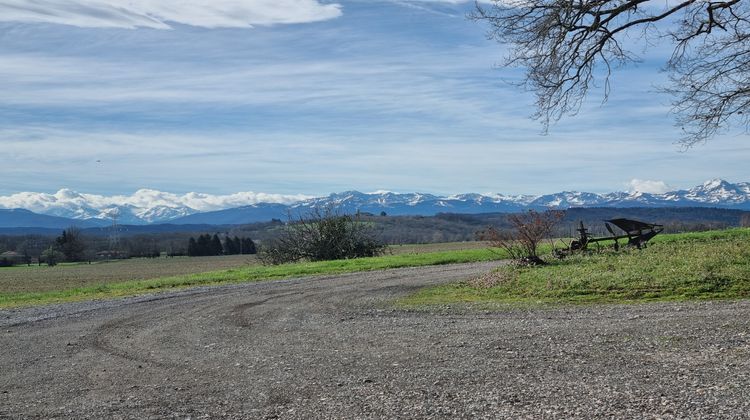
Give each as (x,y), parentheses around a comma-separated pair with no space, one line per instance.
(307,97)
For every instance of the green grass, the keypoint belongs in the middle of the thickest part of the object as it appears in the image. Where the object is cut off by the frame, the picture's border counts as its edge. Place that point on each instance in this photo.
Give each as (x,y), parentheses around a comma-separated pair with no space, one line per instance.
(693,266)
(248,273)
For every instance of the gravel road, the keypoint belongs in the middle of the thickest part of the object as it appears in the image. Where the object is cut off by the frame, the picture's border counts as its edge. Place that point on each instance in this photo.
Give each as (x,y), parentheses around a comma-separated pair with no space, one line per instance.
(333,347)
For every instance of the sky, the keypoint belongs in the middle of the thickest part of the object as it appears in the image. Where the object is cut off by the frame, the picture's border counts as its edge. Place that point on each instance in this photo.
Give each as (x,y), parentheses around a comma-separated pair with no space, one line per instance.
(312,97)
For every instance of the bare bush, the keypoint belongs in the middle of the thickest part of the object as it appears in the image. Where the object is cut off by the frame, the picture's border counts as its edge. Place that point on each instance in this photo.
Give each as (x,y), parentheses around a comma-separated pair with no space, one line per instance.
(529,230)
(322,235)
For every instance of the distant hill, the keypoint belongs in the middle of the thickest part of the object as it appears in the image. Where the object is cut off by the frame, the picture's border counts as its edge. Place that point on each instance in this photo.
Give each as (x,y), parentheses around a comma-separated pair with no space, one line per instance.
(237,216)
(123,230)
(20,218)
(130,230)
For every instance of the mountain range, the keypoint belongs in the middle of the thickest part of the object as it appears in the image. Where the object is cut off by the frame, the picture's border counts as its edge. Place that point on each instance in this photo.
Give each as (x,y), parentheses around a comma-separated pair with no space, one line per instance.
(146,207)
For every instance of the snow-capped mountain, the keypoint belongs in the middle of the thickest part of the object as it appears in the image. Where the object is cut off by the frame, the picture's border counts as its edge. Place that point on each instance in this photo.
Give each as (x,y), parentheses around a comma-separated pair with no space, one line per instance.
(719,192)
(150,206)
(408,204)
(713,193)
(142,207)
(568,199)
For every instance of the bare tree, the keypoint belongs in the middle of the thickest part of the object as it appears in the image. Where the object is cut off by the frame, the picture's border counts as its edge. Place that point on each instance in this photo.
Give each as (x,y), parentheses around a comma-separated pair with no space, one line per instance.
(529,230)
(568,45)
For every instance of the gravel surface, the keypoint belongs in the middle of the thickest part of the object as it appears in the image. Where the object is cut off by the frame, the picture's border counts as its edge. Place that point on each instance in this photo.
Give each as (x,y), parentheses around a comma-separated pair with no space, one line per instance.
(334,347)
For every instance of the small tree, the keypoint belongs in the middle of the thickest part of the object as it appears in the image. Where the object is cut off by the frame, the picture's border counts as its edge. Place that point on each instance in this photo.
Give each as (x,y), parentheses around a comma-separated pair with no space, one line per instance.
(52,256)
(529,229)
(71,244)
(323,235)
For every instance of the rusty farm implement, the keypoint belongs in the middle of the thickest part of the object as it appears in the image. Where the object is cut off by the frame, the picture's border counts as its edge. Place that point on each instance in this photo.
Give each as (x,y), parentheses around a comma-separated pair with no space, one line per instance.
(636,233)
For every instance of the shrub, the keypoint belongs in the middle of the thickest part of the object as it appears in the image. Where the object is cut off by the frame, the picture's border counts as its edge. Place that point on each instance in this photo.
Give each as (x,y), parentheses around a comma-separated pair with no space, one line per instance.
(528,230)
(322,236)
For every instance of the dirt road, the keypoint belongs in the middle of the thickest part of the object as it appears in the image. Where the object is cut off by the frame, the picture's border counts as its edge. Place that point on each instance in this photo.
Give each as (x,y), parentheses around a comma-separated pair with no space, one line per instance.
(334,348)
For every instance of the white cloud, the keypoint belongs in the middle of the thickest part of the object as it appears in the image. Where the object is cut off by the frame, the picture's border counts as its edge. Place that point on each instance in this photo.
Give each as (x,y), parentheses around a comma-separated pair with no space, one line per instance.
(158,14)
(648,186)
(141,199)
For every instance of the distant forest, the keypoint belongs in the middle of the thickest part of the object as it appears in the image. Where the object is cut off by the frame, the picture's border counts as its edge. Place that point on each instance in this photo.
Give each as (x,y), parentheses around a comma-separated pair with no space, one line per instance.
(450,227)
(167,239)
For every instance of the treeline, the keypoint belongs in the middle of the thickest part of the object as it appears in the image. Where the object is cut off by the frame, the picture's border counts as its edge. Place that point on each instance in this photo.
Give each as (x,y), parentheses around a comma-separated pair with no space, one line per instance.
(68,247)
(447,227)
(455,227)
(450,227)
(142,245)
(207,245)
(74,245)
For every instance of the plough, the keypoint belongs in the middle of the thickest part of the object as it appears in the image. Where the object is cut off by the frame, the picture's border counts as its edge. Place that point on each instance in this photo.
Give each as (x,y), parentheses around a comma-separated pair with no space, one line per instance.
(637,233)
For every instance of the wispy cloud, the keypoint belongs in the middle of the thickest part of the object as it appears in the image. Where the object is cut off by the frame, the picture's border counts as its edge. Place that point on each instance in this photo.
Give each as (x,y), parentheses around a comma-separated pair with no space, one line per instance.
(403,87)
(161,14)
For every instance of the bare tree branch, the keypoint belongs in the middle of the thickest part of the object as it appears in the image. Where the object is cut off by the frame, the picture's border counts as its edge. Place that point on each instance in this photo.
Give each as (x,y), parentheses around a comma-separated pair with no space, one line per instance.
(566,46)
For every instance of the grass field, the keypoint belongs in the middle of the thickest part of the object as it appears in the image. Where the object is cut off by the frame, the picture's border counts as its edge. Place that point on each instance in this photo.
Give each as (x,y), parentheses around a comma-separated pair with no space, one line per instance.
(40,285)
(707,265)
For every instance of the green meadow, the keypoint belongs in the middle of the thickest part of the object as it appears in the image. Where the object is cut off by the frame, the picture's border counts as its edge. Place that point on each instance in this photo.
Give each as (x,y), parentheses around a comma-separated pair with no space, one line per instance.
(692,266)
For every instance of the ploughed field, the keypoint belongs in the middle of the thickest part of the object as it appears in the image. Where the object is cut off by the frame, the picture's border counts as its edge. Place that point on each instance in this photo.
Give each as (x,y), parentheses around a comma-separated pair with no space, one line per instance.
(42,278)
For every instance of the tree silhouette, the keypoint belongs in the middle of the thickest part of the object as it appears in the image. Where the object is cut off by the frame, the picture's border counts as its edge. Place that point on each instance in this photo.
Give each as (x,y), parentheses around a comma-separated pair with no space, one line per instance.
(215,247)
